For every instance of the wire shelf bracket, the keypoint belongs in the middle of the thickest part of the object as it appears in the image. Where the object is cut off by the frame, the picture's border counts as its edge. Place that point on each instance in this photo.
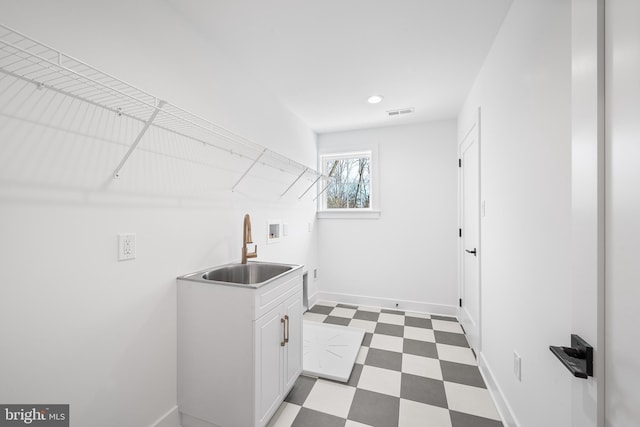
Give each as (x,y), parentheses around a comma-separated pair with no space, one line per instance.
(248,169)
(321,191)
(310,187)
(294,182)
(116,172)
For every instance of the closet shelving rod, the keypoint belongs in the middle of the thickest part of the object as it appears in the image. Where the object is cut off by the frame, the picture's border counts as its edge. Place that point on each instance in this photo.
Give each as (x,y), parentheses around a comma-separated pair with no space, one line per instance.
(116,173)
(294,182)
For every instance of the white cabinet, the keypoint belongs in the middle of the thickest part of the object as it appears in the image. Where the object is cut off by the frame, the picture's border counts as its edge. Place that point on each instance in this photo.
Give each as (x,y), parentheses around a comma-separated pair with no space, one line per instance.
(279,344)
(239,350)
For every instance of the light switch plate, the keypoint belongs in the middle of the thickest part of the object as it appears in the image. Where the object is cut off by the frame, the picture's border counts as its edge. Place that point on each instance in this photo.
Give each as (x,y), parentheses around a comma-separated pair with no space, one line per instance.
(517,366)
(126,246)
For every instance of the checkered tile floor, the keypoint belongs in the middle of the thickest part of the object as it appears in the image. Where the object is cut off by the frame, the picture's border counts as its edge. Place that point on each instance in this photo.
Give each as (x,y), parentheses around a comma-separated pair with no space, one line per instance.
(412,370)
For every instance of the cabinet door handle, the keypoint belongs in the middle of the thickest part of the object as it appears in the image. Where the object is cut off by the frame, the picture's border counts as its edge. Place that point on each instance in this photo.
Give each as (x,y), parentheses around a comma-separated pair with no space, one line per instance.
(283,333)
(286,336)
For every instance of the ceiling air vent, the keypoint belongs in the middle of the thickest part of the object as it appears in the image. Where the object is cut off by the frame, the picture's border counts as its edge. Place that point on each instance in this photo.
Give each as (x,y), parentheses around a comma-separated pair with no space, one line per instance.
(400,111)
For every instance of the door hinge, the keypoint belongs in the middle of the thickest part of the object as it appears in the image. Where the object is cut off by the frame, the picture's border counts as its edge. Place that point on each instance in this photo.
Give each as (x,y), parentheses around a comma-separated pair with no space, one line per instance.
(459,232)
(459,163)
(460,302)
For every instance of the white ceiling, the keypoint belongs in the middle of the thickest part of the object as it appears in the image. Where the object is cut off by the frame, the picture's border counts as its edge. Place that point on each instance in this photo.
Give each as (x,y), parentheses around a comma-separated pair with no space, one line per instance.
(324,58)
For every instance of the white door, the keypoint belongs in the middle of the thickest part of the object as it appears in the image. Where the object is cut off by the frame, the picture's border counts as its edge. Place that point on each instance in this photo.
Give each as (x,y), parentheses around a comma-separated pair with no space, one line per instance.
(470,238)
(622,214)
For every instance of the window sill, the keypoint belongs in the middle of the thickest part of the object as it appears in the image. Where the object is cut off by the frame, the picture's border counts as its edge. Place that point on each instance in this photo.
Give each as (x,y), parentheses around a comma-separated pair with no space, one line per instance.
(349,214)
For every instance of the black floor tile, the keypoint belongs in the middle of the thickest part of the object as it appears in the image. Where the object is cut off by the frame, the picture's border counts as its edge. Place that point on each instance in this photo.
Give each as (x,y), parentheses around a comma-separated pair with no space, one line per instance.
(460,419)
(310,418)
(366,341)
(420,348)
(461,374)
(321,309)
(384,359)
(423,390)
(374,409)
(451,338)
(366,315)
(387,329)
(347,306)
(300,390)
(355,375)
(418,322)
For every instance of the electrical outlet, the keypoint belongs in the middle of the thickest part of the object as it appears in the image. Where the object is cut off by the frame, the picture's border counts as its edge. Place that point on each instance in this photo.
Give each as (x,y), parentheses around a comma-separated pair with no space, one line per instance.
(126,246)
(517,366)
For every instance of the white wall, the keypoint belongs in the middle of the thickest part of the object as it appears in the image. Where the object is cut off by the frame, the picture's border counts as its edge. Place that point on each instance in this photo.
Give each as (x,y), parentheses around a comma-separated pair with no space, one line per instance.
(78,326)
(524,92)
(408,255)
(622,212)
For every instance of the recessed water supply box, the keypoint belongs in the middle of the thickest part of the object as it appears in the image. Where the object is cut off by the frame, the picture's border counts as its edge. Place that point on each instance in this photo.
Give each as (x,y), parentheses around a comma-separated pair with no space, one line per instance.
(274,231)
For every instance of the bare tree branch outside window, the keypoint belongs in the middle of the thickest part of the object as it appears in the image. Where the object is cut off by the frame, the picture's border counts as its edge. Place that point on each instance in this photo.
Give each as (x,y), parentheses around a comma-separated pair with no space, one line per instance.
(351,188)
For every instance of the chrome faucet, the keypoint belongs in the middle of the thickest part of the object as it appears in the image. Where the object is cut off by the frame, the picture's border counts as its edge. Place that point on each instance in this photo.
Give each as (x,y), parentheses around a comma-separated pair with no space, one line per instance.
(246,238)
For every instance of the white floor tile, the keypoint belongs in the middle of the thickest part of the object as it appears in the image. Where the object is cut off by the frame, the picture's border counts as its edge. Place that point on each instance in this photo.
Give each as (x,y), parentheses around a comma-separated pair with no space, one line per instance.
(355,424)
(420,334)
(330,397)
(343,312)
(371,309)
(421,366)
(446,326)
(285,415)
(456,354)
(327,303)
(362,355)
(367,325)
(315,317)
(393,319)
(472,400)
(380,380)
(387,342)
(415,414)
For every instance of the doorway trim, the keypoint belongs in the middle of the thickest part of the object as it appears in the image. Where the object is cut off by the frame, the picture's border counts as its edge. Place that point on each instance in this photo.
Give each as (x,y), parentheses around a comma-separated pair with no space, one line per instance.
(473,130)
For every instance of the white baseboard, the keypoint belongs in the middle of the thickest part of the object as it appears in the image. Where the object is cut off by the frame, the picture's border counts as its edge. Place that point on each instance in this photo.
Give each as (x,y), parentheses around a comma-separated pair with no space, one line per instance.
(404,305)
(508,419)
(170,419)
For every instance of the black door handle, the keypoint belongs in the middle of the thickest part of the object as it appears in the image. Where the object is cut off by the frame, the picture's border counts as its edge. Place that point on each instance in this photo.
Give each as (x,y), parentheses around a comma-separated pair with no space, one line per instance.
(471,252)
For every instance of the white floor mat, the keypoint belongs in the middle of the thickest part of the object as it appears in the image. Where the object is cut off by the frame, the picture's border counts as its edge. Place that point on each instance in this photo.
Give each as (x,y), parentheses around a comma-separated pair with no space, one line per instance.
(330,350)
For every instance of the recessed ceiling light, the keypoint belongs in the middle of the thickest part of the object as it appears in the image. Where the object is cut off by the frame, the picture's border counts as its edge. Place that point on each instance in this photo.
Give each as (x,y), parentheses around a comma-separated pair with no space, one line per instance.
(374,99)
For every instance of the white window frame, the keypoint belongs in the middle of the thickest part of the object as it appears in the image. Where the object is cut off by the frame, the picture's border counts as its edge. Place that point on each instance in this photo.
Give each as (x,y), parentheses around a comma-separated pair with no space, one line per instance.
(372,212)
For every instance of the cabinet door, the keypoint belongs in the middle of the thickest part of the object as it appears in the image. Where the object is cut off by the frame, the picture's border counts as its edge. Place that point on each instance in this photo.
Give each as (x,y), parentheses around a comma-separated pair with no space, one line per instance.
(269,334)
(293,349)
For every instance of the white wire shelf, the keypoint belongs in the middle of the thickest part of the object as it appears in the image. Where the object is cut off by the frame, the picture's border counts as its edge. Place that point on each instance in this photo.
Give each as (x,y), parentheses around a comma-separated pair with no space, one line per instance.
(47,68)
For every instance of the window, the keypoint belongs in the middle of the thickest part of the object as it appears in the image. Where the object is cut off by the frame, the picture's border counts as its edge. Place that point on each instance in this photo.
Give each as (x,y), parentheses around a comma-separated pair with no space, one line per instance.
(350,187)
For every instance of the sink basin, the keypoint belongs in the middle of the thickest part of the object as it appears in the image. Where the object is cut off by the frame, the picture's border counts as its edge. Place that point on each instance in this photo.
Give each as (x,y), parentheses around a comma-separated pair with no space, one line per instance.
(254,274)
(246,274)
